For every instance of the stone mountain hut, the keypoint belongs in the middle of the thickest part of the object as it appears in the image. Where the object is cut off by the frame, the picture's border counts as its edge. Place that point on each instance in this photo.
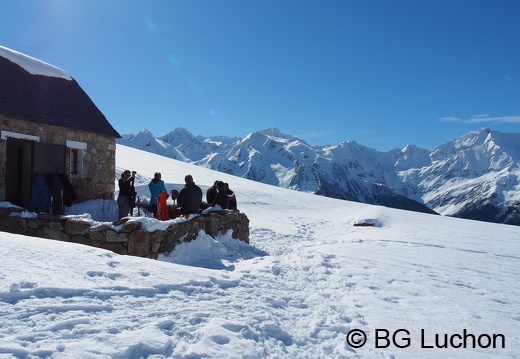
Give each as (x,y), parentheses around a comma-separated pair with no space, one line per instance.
(50,126)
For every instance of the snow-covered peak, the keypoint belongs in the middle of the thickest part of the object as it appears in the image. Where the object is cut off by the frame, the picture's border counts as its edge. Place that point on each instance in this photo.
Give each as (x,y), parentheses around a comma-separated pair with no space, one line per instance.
(219,140)
(274,132)
(146,140)
(413,156)
(473,138)
(484,148)
(145,134)
(178,136)
(32,65)
(413,149)
(469,140)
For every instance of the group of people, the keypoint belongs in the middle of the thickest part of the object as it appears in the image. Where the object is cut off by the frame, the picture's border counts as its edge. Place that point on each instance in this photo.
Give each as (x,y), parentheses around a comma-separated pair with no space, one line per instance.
(189,199)
(220,194)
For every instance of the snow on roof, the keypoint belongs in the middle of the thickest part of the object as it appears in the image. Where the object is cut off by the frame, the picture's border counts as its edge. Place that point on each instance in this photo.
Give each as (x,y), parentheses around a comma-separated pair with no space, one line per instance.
(32,65)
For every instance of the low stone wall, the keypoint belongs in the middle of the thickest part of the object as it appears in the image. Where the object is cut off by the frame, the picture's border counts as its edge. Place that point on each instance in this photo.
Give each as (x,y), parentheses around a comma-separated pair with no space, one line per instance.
(125,236)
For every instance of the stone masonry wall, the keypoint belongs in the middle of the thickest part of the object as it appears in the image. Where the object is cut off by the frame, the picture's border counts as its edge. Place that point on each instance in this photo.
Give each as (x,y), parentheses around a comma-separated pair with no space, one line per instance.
(98,162)
(129,238)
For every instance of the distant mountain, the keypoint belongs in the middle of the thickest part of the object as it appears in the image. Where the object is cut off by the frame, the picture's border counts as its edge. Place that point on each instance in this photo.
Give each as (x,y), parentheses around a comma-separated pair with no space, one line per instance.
(475,176)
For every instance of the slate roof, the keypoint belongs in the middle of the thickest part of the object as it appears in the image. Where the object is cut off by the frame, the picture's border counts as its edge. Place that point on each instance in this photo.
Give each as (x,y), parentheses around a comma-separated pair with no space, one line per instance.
(49,100)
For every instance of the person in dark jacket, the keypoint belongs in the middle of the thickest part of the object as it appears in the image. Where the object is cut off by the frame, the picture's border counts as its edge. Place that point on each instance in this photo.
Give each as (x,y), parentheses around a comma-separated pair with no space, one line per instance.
(231,197)
(211,194)
(69,195)
(190,197)
(222,198)
(125,191)
(156,186)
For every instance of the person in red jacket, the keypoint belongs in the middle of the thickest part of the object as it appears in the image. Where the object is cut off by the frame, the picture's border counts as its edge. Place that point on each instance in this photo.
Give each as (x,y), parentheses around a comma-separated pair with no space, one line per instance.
(162,208)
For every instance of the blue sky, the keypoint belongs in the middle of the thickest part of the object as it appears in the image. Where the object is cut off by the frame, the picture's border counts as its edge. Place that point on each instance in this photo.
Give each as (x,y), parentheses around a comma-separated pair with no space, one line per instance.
(383,73)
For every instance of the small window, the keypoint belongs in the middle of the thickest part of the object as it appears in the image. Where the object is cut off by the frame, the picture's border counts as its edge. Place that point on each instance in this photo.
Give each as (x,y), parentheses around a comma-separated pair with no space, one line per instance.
(76,151)
(76,162)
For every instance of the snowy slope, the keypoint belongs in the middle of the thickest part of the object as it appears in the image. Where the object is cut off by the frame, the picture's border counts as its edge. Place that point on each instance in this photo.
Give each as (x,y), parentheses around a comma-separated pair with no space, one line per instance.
(475,176)
(308,279)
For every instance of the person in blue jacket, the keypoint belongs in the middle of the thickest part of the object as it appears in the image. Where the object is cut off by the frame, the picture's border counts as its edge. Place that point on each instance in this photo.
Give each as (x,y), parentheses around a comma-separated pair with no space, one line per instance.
(156,186)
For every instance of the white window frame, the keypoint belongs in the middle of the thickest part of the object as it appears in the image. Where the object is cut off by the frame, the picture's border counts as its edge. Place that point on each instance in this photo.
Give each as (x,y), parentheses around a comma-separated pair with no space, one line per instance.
(20,136)
(79,148)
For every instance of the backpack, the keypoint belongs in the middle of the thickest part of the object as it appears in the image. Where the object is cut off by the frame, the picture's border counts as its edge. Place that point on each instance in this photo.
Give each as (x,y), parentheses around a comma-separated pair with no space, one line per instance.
(175,195)
(41,198)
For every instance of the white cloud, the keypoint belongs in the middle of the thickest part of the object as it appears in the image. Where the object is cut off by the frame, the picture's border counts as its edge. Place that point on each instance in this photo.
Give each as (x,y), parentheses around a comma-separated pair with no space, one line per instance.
(482,119)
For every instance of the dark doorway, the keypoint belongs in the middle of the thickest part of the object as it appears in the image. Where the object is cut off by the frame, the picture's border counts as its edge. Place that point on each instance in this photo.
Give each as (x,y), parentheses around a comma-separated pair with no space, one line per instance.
(27,162)
(18,172)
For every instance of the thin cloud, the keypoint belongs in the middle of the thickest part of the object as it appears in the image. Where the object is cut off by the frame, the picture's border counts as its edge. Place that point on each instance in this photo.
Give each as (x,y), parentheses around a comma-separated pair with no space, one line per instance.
(482,119)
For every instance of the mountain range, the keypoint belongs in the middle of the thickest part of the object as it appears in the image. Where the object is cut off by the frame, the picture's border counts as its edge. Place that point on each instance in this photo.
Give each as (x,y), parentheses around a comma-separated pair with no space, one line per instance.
(475,176)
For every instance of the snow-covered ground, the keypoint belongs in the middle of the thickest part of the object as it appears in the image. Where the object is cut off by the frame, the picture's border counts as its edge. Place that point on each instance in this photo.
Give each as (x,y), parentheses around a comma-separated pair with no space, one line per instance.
(309,279)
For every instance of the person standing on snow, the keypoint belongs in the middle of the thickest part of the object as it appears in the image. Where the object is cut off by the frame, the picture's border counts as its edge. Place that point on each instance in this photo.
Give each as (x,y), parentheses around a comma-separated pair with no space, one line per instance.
(125,191)
(156,186)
